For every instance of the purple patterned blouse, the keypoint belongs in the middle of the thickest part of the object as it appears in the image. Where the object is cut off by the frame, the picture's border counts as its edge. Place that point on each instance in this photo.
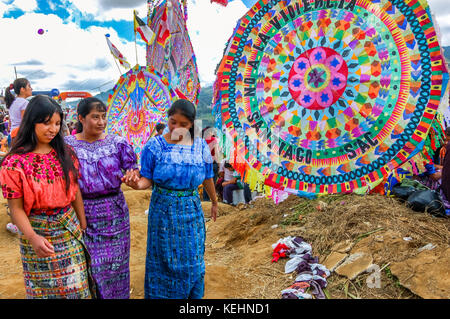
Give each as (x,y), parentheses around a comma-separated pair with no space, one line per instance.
(102,164)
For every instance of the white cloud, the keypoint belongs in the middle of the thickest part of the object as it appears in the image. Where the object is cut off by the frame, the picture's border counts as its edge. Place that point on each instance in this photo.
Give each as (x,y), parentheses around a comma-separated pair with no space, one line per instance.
(24,5)
(441,11)
(443,23)
(71,55)
(104,11)
(65,52)
(106,4)
(210,26)
(3,8)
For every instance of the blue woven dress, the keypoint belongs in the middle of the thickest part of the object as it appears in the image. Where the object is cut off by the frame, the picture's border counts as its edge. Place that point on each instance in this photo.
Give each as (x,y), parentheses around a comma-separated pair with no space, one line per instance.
(175,266)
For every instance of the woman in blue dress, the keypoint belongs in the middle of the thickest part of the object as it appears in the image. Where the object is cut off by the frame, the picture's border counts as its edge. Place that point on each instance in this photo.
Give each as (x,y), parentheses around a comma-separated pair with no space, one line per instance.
(175,164)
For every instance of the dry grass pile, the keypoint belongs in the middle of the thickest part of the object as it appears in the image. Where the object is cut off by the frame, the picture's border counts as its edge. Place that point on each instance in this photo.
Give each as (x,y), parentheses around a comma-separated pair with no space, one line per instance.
(354,217)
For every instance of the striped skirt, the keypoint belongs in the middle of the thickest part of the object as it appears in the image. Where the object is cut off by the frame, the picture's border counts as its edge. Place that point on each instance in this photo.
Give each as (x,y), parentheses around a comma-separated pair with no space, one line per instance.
(64,274)
(175,266)
(107,238)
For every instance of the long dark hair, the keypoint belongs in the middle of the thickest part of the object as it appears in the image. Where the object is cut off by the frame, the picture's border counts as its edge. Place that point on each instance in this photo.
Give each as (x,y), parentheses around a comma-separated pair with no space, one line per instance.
(40,109)
(185,108)
(16,85)
(85,106)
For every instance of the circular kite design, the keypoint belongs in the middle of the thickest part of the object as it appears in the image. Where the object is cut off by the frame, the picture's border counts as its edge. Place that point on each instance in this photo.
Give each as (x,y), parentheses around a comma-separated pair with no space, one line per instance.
(137,103)
(318,78)
(330,96)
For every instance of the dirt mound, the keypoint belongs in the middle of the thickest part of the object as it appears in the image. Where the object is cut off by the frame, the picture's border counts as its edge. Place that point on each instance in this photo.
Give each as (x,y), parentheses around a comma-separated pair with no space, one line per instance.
(384,230)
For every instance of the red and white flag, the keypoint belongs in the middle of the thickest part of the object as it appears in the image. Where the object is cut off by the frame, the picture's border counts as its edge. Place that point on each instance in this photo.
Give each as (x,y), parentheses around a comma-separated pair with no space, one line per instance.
(116,53)
(144,30)
(163,33)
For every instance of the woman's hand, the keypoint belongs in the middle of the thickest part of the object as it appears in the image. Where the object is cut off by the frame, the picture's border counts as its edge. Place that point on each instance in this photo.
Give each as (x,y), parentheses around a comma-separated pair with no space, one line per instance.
(214,211)
(131,178)
(134,179)
(41,246)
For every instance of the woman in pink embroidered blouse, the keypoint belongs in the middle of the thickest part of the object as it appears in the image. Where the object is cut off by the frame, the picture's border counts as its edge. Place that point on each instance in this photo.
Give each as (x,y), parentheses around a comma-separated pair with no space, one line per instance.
(39,180)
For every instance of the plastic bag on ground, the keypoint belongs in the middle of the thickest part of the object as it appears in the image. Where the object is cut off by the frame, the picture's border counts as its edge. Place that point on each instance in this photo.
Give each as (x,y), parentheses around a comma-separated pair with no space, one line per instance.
(426,200)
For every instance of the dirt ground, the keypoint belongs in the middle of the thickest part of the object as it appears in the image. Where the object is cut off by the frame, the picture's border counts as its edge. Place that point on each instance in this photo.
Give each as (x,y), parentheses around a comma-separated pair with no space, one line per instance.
(239,247)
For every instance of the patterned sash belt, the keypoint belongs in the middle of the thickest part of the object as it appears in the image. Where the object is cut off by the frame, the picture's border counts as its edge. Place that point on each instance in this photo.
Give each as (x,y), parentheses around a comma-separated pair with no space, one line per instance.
(50,212)
(174,192)
(87,197)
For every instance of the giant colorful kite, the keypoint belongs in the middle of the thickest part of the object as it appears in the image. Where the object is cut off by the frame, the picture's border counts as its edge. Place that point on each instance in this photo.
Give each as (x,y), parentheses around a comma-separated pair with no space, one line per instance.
(171,54)
(330,96)
(138,102)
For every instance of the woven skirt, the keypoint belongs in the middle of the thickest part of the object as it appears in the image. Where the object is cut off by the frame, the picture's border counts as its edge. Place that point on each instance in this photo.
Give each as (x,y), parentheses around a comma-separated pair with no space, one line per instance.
(64,274)
(175,266)
(107,238)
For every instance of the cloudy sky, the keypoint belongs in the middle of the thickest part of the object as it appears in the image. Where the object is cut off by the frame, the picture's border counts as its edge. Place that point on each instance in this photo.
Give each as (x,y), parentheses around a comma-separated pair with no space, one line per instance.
(72,53)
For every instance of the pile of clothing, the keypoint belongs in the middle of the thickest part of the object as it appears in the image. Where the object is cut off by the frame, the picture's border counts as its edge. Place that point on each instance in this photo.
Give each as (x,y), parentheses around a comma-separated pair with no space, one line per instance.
(310,274)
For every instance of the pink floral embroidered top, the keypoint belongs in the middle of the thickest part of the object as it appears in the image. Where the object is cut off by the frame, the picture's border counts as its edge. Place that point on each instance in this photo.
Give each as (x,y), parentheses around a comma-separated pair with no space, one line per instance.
(38,179)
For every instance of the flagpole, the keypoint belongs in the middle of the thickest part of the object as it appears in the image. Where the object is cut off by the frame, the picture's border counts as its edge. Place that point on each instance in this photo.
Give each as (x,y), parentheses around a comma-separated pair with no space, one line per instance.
(135,46)
(120,72)
(134,30)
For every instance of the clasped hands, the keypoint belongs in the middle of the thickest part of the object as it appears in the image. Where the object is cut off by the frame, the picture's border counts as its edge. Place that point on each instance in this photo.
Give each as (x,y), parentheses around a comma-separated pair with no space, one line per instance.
(131,178)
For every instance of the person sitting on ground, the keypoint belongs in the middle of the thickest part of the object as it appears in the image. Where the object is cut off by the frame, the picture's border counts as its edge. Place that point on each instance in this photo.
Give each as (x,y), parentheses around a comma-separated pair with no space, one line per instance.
(224,174)
(231,183)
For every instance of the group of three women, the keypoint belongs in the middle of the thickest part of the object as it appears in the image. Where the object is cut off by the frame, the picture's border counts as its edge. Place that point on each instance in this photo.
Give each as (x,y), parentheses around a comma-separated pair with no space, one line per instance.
(65,197)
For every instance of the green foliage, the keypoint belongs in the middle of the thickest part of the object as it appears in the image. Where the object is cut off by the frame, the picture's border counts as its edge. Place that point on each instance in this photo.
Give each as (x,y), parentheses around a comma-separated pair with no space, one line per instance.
(204,110)
(390,276)
(302,209)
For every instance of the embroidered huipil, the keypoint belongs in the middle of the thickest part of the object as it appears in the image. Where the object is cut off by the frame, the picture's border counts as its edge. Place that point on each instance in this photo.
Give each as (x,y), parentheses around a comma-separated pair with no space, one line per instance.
(174,166)
(102,163)
(38,179)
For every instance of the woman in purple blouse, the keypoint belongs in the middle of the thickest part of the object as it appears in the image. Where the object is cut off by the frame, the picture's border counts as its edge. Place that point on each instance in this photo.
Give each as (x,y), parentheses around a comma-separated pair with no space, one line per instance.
(103,159)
